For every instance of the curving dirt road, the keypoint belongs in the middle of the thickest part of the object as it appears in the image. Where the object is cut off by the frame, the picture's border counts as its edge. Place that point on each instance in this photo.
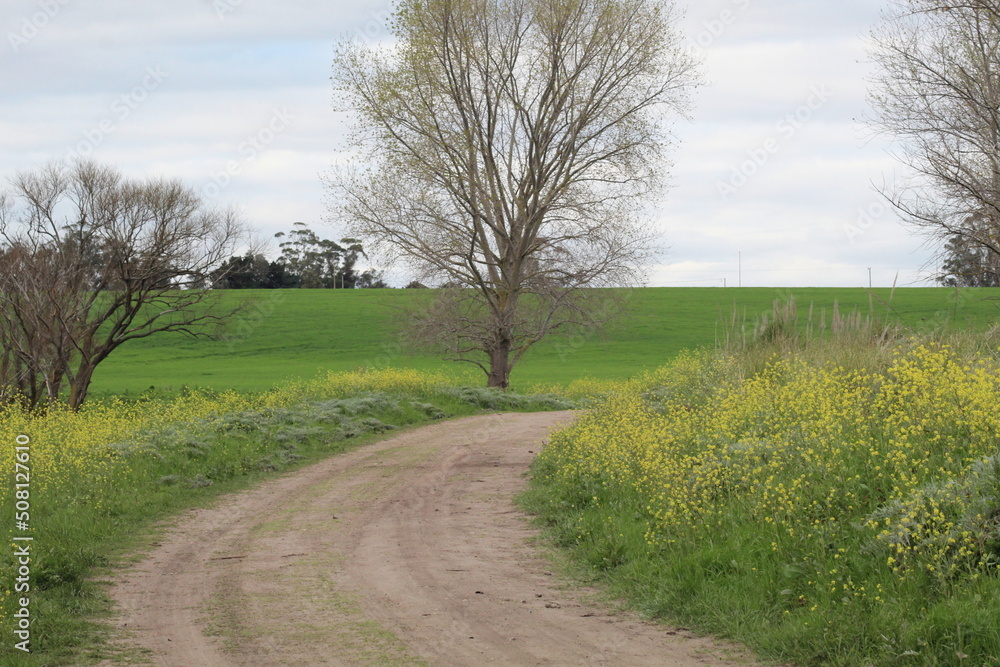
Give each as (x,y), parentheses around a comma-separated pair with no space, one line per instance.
(407,551)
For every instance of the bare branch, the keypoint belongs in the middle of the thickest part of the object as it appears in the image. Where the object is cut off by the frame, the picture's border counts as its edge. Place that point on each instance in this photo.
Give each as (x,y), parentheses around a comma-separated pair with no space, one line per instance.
(937,94)
(92,260)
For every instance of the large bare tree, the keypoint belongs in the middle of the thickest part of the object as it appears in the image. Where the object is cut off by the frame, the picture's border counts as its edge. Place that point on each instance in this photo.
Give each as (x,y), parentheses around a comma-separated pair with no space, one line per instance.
(507,149)
(90,260)
(937,94)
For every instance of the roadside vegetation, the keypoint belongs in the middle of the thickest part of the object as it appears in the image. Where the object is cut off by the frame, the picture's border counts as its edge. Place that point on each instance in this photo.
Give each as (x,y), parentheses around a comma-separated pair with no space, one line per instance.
(101,478)
(825,502)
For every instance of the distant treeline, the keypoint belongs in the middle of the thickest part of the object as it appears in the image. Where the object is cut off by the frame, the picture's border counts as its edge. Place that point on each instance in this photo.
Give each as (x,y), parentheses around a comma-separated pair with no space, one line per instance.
(306,261)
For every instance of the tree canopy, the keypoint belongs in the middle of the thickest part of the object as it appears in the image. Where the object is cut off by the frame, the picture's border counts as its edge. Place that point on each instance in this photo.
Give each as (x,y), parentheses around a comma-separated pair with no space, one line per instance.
(968,264)
(306,261)
(507,148)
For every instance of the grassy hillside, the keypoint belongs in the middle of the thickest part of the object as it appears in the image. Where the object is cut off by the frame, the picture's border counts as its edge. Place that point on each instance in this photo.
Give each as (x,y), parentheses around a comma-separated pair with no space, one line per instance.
(295,333)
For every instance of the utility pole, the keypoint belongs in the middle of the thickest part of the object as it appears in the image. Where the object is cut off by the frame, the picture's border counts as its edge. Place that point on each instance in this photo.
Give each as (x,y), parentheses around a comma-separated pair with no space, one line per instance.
(869,277)
(741,268)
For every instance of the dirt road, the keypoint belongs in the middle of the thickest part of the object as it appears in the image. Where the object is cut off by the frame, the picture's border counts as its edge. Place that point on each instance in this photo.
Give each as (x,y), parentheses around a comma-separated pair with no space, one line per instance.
(407,551)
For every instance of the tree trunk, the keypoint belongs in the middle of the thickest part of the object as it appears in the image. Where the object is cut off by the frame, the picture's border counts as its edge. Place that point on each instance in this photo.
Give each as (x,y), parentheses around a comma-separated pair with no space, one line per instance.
(31,391)
(499,375)
(53,384)
(80,385)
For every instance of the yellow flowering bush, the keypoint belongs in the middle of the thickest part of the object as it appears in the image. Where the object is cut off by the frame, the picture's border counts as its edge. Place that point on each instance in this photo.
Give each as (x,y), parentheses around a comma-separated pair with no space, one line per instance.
(832,491)
(350,383)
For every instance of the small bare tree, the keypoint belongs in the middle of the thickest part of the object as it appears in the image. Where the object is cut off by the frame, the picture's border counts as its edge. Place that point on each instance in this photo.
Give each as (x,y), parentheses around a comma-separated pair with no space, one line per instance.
(937,93)
(92,260)
(36,295)
(507,148)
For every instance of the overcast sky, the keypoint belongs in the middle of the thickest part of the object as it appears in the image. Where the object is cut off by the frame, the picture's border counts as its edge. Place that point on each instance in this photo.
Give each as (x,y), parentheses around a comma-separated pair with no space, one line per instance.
(234,98)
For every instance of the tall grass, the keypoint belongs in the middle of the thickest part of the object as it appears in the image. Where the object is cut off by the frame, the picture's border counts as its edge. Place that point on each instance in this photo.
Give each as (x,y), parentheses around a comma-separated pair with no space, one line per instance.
(852,338)
(782,327)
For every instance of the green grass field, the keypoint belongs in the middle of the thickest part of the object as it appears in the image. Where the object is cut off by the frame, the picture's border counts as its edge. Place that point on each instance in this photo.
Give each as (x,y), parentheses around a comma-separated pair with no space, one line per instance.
(296,333)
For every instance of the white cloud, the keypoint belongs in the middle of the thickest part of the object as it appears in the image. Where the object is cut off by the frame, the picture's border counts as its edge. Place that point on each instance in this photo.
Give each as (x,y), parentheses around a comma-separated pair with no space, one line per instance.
(227,71)
(795,181)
